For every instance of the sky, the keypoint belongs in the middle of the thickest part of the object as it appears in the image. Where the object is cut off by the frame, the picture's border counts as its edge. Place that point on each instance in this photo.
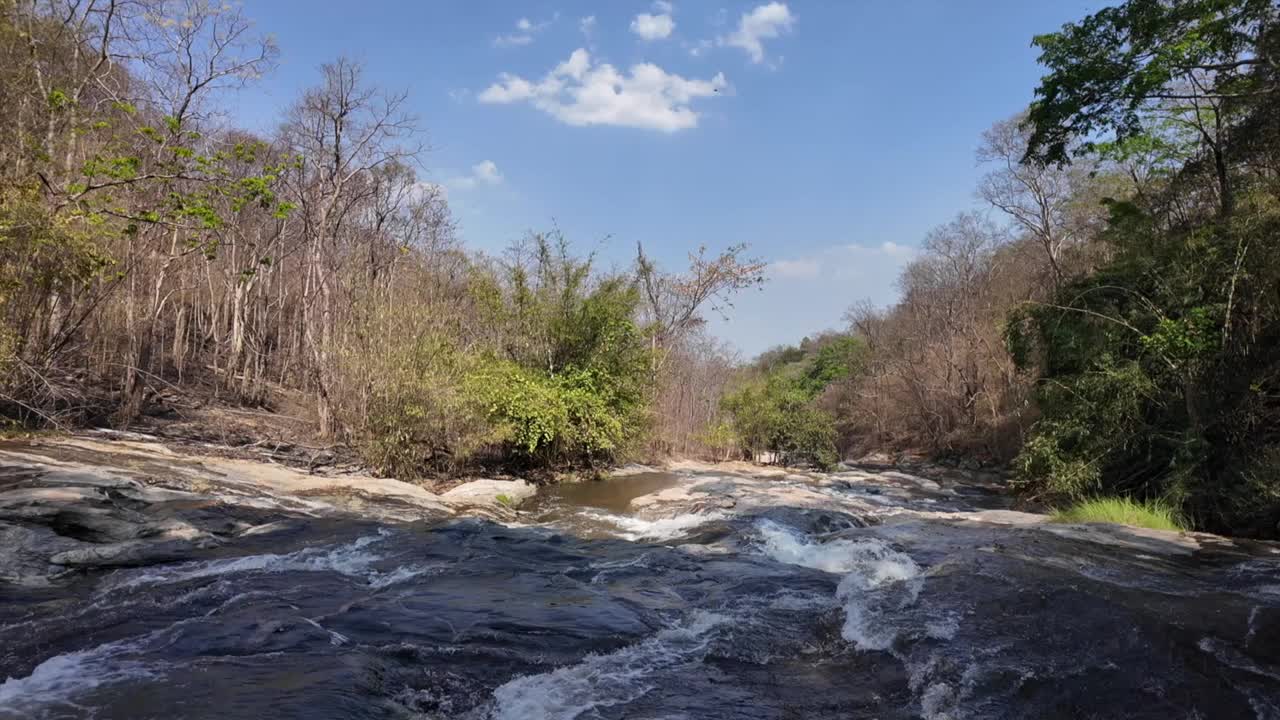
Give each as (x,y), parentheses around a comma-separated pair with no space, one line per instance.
(830,137)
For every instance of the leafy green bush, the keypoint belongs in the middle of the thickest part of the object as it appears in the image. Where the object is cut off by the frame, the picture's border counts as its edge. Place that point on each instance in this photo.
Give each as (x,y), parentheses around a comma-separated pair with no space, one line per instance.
(776,409)
(574,417)
(570,383)
(558,373)
(1123,511)
(776,415)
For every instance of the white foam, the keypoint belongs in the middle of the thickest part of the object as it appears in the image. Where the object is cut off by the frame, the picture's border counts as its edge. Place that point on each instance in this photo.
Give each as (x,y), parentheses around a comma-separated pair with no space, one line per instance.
(604,680)
(937,701)
(1253,625)
(877,578)
(634,528)
(62,677)
(944,628)
(351,559)
(793,548)
(1229,655)
(884,580)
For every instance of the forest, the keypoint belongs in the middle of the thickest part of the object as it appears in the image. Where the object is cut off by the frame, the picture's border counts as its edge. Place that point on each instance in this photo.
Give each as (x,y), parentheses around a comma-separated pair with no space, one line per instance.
(1105,321)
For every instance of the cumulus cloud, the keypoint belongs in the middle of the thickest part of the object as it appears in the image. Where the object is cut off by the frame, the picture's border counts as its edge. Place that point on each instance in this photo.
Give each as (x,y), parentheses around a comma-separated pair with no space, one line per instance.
(763,22)
(485,172)
(579,92)
(653,27)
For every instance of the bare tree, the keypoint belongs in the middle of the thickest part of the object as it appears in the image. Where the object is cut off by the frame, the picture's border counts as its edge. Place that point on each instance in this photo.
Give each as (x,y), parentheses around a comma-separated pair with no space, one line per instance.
(343,130)
(1038,199)
(675,301)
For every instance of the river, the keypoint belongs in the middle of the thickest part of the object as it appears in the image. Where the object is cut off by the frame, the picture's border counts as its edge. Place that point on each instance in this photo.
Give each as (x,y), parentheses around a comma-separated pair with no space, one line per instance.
(661,595)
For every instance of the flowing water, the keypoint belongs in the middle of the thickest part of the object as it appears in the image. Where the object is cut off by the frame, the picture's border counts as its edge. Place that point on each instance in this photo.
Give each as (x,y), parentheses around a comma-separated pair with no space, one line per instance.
(584,608)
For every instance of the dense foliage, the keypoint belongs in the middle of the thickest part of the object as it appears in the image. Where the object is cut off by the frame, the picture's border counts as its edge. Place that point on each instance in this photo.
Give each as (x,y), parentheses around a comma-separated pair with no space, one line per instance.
(1160,368)
(777,409)
(1118,334)
(148,251)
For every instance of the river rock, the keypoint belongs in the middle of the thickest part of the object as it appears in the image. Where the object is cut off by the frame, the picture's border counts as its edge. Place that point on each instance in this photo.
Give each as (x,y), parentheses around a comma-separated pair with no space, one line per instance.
(488,492)
(25,551)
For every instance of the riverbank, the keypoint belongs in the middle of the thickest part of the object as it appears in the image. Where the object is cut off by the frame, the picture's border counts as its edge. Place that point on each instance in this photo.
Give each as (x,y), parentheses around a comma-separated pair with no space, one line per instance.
(111,499)
(115,499)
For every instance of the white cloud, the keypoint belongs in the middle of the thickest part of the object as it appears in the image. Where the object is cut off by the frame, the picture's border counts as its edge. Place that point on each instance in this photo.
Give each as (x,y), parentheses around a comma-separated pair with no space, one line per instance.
(887,248)
(809,292)
(526,29)
(698,48)
(894,250)
(485,172)
(577,92)
(663,6)
(764,22)
(844,261)
(587,25)
(653,27)
(794,269)
(512,40)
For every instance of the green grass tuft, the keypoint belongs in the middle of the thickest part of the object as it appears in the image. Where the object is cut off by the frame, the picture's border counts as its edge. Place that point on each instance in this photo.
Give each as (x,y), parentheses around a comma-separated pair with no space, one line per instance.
(1124,511)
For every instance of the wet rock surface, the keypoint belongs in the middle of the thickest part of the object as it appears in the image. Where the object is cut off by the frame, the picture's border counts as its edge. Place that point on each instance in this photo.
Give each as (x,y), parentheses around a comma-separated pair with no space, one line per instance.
(136,583)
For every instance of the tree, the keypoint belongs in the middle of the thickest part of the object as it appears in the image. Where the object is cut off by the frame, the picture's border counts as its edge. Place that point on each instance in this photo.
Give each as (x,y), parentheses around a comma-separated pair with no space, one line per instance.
(688,372)
(674,301)
(343,131)
(1040,200)
(1108,71)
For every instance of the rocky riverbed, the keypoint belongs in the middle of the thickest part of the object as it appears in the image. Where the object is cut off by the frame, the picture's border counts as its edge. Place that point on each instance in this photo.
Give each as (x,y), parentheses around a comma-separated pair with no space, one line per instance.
(139,582)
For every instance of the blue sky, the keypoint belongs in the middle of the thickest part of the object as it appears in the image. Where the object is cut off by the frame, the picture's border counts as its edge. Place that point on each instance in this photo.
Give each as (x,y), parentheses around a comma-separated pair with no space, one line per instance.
(830,136)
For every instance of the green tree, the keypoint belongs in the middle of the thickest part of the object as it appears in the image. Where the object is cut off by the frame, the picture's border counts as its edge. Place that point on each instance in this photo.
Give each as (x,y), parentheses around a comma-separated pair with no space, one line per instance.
(1114,70)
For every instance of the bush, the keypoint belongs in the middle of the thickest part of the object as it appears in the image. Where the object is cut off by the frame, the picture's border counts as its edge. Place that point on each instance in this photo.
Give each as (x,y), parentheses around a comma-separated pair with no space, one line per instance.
(553,420)
(1152,514)
(570,383)
(418,416)
(775,415)
(556,373)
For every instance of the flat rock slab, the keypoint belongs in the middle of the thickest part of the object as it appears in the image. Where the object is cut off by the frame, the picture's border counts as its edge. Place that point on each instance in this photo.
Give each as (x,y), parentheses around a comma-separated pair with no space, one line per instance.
(490,492)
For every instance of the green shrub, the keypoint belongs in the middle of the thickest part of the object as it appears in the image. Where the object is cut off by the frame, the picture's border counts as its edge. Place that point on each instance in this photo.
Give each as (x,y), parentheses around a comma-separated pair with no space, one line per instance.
(776,415)
(575,417)
(1152,514)
(557,373)
(571,381)
(776,409)
(1157,371)
(417,414)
